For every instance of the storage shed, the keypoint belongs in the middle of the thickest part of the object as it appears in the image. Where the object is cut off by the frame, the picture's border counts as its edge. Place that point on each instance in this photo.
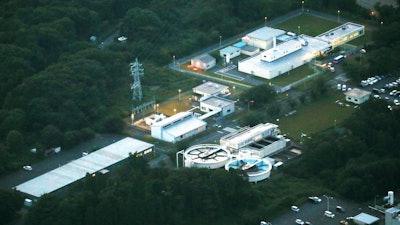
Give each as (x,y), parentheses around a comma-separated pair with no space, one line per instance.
(357,96)
(203,62)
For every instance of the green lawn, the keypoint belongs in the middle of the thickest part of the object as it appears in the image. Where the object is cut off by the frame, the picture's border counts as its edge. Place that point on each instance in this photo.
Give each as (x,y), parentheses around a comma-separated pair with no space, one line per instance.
(315,117)
(308,24)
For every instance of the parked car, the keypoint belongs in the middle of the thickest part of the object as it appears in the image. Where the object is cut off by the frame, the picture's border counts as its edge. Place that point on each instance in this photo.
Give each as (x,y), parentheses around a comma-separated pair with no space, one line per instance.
(299,221)
(315,199)
(294,208)
(329,214)
(27,168)
(340,208)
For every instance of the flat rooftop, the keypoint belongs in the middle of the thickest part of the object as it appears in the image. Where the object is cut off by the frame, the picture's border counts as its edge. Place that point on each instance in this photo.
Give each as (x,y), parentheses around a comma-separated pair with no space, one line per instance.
(265,33)
(249,133)
(305,53)
(210,88)
(340,32)
(77,169)
(357,93)
(217,101)
(184,127)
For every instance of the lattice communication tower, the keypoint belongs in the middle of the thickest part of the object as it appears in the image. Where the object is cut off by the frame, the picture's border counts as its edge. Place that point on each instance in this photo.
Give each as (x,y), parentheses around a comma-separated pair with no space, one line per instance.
(136,71)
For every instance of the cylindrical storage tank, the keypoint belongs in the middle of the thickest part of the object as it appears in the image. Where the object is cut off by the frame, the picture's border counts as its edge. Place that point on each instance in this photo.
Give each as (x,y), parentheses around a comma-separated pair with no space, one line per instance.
(256,169)
(206,156)
(391,197)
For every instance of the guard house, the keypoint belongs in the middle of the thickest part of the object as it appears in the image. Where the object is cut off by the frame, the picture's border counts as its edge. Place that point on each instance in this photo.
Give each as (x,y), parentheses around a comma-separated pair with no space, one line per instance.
(203,62)
(215,103)
(178,127)
(263,37)
(342,34)
(262,140)
(357,96)
(209,89)
(229,53)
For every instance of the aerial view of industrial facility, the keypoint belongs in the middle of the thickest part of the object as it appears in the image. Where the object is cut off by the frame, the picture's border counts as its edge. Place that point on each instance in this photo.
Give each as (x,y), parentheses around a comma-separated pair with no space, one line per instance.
(280,106)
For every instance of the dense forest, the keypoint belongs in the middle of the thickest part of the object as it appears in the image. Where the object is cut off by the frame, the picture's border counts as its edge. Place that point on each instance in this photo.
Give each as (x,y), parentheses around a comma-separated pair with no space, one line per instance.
(58,87)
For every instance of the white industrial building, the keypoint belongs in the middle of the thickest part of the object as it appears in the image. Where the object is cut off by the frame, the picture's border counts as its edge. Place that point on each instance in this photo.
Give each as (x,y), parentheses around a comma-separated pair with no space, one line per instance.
(215,103)
(94,162)
(178,127)
(260,67)
(229,53)
(357,96)
(286,51)
(203,62)
(262,140)
(342,34)
(263,37)
(209,89)
(365,219)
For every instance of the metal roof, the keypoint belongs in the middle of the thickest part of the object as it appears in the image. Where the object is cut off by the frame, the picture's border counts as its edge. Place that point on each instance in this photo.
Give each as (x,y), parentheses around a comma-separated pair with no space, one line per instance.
(77,169)
(366,218)
(357,93)
(209,88)
(265,33)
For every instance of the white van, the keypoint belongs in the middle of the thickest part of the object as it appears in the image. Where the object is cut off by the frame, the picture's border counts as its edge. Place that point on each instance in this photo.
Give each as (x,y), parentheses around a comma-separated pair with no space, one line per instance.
(339,86)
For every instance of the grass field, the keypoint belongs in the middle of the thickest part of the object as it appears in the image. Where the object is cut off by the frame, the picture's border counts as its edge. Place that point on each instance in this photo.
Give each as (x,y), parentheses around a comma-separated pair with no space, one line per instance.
(308,24)
(315,117)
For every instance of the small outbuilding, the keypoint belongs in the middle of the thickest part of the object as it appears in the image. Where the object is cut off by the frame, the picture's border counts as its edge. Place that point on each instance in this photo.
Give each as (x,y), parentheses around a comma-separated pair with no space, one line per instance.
(209,89)
(214,103)
(365,219)
(203,62)
(357,96)
(229,53)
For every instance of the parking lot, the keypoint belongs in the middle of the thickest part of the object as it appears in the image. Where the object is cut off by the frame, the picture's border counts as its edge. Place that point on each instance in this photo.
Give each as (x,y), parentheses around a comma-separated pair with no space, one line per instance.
(314,212)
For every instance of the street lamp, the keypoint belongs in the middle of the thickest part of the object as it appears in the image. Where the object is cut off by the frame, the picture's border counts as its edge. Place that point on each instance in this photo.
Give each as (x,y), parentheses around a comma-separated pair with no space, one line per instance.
(174,111)
(132,118)
(220,40)
(298,30)
(381,23)
(173,61)
(338,15)
(327,204)
(179,94)
(248,105)
(265,21)
(375,200)
(302,6)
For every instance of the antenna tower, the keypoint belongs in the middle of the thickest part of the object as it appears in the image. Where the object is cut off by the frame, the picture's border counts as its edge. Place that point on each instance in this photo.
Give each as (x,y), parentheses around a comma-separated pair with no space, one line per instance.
(136,71)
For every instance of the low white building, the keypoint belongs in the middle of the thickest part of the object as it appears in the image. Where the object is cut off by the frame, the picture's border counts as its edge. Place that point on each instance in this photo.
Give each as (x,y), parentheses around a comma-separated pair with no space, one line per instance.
(209,89)
(357,96)
(178,127)
(263,37)
(365,219)
(203,62)
(262,140)
(229,53)
(214,103)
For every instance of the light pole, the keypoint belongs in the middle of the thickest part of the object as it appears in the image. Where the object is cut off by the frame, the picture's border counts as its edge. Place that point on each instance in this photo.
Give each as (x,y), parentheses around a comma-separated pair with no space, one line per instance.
(265,21)
(157,105)
(381,23)
(302,6)
(327,204)
(220,40)
(173,61)
(248,105)
(338,15)
(298,30)
(375,200)
(179,94)
(174,111)
(132,118)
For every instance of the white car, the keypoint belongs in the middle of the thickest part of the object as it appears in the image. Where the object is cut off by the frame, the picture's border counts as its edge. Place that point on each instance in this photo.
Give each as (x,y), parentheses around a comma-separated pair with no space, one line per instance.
(315,199)
(396,102)
(294,208)
(329,214)
(27,168)
(299,221)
